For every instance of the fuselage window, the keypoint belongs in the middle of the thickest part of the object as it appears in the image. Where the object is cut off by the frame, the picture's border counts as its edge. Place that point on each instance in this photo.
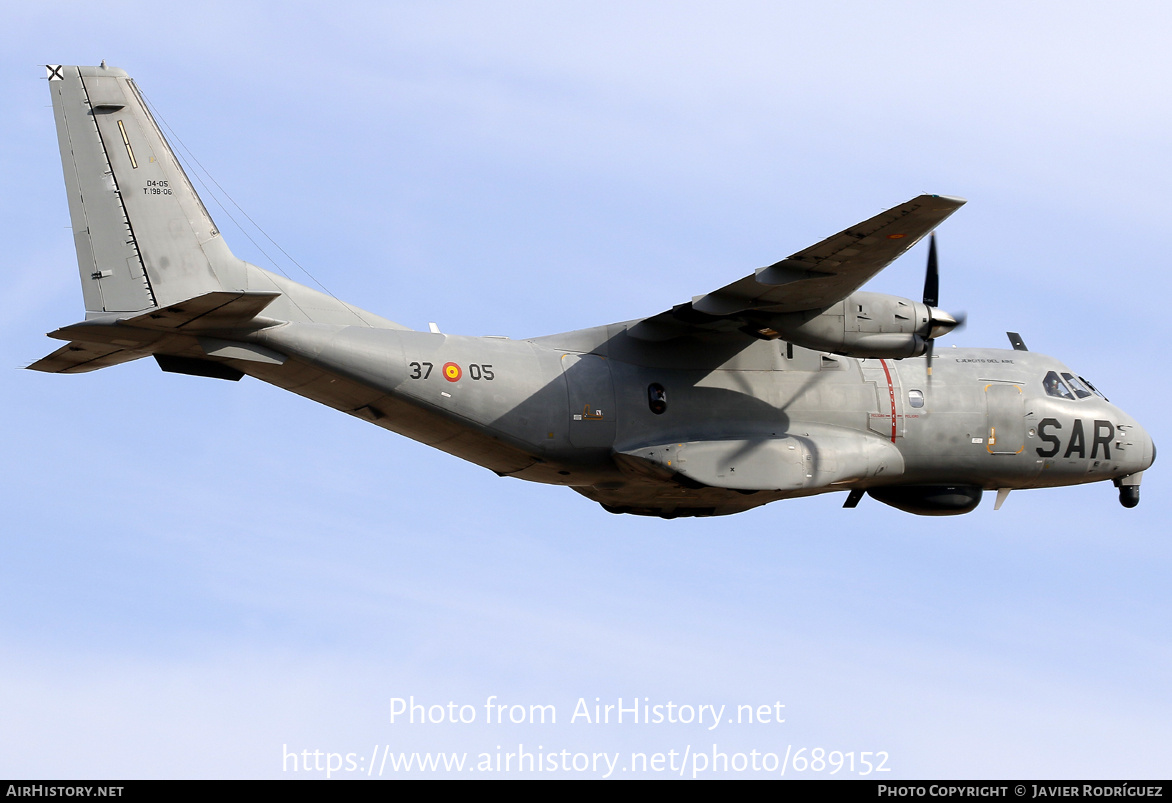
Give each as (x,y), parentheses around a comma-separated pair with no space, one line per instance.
(1079,390)
(915,398)
(657,398)
(1054,386)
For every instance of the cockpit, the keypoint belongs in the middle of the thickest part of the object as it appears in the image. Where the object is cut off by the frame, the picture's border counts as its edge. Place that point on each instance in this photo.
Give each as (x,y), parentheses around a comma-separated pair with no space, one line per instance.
(1068,386)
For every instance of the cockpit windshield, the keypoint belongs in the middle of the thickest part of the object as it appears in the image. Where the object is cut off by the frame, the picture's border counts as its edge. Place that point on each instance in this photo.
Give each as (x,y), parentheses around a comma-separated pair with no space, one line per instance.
(1056,387)
(1068,386)
(1079,390)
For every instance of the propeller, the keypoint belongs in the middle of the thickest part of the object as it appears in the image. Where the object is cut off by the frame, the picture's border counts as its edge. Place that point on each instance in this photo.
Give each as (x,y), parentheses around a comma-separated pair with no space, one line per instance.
(940,322)
(932,277)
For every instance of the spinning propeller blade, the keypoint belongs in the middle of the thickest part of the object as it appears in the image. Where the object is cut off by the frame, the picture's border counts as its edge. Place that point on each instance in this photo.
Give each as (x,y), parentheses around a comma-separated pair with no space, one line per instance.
(939,322)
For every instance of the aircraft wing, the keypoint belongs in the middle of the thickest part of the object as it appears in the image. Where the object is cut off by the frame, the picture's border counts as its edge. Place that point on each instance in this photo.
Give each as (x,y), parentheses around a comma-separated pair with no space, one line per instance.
(811,279)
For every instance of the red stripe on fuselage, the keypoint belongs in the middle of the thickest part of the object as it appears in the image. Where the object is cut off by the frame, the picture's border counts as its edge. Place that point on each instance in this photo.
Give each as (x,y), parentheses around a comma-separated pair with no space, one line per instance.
(891,395)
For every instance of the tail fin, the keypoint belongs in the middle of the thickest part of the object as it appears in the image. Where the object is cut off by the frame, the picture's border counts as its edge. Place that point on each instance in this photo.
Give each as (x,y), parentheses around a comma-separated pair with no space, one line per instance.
(153,264)
(143,237)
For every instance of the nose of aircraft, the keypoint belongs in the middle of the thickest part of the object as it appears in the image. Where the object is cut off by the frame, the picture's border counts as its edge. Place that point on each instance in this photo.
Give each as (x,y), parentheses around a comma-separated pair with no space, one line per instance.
(1145,455)
(1149,447)
(1139,452)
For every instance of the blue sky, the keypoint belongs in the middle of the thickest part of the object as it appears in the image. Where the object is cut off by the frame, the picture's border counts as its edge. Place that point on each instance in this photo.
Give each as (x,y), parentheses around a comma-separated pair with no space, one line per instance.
(196,573)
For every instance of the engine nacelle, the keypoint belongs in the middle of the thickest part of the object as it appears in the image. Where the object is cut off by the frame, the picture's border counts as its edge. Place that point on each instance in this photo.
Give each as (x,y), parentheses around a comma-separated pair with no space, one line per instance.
(930,500)
(865,325)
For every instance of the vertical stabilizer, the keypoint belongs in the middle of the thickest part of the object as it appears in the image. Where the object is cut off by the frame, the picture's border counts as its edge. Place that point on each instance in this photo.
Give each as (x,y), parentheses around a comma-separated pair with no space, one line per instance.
(143,237)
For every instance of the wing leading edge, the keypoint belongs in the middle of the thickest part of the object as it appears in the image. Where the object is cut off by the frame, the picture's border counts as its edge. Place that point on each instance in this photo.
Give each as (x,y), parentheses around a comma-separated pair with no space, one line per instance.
(810,280)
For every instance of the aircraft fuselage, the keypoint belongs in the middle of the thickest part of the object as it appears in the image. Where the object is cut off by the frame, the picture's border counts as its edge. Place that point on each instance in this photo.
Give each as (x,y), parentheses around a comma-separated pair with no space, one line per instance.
(560,409)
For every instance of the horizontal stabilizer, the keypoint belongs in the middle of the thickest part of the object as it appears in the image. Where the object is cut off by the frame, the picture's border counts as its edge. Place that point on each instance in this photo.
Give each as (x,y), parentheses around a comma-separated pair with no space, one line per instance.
(211,311)
(217,310)
(101,342)
(79,357)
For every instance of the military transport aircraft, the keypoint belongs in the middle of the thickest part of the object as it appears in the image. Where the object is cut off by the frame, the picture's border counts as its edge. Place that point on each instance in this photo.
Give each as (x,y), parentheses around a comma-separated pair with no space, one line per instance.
(788,382)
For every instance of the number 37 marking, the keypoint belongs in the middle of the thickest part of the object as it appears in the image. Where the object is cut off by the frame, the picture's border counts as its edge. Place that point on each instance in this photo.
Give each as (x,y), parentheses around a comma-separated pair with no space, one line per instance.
(422,370)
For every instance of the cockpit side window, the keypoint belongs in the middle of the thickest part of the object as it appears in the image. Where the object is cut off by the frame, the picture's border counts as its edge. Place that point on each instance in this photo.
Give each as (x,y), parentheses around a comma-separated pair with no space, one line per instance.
(1087,382)
(1055,387)
(1079,390)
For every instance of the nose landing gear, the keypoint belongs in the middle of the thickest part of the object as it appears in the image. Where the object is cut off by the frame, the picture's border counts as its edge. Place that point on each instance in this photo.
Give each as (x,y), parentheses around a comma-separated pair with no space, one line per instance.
(1129,489)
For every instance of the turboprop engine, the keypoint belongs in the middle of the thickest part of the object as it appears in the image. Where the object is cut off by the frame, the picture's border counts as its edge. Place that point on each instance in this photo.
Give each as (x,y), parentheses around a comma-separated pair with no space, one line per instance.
(873,324)
(867,325)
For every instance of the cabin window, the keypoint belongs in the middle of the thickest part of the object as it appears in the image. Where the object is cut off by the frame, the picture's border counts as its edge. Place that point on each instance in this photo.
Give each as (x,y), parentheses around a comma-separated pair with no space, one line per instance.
(657,398)
(915,398)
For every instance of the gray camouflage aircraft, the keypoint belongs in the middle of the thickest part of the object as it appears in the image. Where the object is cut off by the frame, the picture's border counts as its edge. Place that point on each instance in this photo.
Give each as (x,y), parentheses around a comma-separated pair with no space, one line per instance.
(788,382)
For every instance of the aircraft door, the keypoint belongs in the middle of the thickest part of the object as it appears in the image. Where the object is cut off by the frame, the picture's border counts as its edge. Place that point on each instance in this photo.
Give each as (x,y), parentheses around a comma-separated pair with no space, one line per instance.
(888,416)
(591,399)
(1005,408)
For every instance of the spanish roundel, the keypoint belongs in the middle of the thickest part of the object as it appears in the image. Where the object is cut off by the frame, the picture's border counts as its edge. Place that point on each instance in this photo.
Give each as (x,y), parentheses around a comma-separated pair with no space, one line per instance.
(452,372)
